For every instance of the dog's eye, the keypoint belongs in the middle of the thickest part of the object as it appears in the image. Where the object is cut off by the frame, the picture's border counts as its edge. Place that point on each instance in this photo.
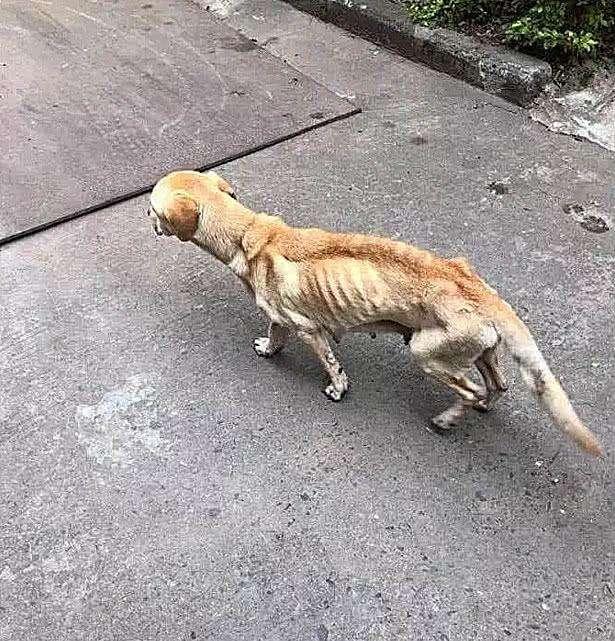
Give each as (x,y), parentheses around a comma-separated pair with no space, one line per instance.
(232,195)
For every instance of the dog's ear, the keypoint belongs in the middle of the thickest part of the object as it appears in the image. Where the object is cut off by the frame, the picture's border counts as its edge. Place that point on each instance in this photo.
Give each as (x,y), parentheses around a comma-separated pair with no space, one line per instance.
(222,184)
(225,187)
(182,216)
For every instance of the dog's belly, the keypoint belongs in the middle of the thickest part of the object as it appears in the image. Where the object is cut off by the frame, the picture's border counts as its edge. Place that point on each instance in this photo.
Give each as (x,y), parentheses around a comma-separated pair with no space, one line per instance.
(386,326)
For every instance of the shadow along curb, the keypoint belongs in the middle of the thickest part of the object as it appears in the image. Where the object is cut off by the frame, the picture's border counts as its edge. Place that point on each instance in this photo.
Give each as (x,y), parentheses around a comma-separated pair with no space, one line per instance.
(514,76)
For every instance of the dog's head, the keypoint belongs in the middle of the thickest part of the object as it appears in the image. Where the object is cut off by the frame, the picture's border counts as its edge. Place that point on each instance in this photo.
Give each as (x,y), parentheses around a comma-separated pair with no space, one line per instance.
(178,200)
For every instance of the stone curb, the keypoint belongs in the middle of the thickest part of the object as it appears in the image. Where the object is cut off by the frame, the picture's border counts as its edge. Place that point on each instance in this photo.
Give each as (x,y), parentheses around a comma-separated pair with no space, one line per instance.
(514,76)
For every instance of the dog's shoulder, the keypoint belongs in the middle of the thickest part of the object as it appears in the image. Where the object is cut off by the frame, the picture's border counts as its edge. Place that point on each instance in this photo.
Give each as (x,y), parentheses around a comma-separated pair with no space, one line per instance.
(263,229)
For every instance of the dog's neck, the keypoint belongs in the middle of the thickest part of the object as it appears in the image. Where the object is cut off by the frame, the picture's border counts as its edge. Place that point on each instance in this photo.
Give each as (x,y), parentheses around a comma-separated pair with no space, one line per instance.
(222,236)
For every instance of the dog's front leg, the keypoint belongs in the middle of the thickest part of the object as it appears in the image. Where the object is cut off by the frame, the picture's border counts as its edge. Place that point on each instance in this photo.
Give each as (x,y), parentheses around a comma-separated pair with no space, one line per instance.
(319,345)
(274,342)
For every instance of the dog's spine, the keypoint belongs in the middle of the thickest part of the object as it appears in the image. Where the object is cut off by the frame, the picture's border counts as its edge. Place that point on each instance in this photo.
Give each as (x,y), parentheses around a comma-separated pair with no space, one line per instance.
(541,381)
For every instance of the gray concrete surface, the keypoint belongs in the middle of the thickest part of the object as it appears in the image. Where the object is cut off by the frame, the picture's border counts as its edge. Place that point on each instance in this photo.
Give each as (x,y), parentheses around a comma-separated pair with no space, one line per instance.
(504,72)
(99,101)
(159,481)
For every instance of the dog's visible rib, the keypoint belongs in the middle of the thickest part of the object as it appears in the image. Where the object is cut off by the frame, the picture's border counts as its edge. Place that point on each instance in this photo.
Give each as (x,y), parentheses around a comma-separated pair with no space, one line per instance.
(317,283)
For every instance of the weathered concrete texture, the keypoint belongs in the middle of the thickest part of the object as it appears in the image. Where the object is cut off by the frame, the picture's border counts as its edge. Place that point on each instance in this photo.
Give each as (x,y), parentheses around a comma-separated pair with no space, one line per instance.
(99,101)
(504,72)
(159,481)
(588,113)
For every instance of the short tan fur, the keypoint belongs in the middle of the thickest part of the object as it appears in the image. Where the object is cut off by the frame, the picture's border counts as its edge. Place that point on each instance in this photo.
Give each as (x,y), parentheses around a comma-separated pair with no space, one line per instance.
(319,285)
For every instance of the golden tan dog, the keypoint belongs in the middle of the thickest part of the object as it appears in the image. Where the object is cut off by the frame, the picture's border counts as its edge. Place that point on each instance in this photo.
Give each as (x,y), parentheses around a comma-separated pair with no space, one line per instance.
(317,284)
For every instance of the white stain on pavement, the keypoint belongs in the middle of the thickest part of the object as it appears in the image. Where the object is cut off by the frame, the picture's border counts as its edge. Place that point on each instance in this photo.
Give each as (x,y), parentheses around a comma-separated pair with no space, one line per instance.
(220,8)
(588,114)
(56,563)
(7,574)
(122,426)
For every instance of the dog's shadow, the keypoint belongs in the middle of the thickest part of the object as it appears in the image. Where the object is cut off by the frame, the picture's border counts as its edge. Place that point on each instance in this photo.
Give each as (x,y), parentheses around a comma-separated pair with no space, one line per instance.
(381,374)
(386,384)
(508,457)
(391,396)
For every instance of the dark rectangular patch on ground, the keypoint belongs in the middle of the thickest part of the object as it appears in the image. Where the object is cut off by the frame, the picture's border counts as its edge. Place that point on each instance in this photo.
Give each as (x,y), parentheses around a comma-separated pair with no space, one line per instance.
(100,99)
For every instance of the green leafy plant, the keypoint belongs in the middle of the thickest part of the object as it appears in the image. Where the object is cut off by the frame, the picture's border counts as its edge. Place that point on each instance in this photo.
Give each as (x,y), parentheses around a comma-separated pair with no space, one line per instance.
(559,29)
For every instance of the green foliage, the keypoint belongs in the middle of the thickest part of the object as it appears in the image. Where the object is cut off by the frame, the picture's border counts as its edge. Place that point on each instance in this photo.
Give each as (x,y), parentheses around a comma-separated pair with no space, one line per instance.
(560,29)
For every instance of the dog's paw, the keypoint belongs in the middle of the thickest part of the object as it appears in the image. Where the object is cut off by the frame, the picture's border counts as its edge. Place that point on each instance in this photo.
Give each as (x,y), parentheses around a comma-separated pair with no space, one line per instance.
(336,391)
(443,423)
(262,346)
(334,394)
(482,405)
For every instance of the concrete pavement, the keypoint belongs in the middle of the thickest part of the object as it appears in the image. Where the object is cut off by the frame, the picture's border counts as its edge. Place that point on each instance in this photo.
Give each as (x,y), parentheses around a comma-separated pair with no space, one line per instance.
(161,482)
(98,103)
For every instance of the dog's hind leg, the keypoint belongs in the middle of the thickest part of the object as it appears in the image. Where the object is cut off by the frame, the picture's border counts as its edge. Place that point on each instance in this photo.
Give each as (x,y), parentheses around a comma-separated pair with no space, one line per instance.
(269,345)
(488,366)
(452,416)
(448,357)
(471,395)
(339,380)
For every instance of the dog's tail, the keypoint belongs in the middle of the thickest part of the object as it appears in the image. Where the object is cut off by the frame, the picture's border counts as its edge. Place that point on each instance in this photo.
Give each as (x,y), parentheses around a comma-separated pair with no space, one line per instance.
(541,381)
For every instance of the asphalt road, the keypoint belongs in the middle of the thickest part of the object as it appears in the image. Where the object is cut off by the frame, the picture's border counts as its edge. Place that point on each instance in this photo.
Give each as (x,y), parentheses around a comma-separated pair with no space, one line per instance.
(159,481)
